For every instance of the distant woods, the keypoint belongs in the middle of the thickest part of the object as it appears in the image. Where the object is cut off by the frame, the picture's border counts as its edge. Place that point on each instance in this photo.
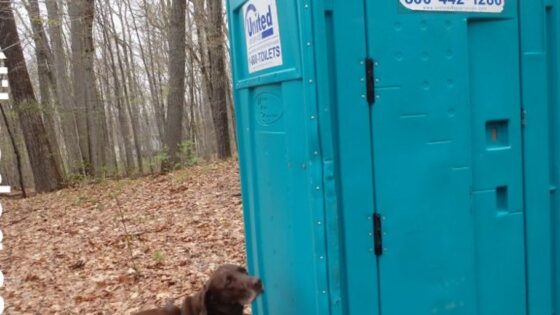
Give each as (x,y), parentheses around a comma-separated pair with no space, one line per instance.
(112,88)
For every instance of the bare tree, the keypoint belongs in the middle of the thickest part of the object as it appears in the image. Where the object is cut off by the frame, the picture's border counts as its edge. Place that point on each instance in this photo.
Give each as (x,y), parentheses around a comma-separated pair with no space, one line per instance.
(18,155)
(47,176)
(119,96)
(149,67)
(76,13)
(176,98)
(46,78)
(220,83)
(91,118)
(63,88)
(130,98)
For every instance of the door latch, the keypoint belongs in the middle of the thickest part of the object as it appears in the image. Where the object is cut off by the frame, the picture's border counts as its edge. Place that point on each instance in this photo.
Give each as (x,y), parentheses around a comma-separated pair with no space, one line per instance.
(370,81)
(377,234)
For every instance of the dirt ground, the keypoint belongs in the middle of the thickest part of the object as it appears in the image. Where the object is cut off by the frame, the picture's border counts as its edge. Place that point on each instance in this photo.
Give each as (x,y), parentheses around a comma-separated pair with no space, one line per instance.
(120,246)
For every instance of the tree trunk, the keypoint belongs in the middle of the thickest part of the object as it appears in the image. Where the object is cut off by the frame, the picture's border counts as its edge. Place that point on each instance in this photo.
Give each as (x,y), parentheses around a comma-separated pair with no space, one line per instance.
(132,95)
(119,97)
(97,127)
(176,98)
(77,33)
(63,88)
(45,172)
(106,85)
(218,94)
(91,113)
(43,55)
(192,101)
(19,162)
(156,104)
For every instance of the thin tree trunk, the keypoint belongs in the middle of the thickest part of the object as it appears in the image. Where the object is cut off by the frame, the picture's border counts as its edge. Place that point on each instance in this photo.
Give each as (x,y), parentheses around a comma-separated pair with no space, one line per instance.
(123,122)
(149,69)
(132,102)
(91,116)
(106,147)
(201,26)
(217,61)
(158,103)
(77,31)
(43,55)
(63,88)
(124,102)
(19,162)
(113,138)
(209,134)
(97,128)
(45,172)
(176,98)
(192,83)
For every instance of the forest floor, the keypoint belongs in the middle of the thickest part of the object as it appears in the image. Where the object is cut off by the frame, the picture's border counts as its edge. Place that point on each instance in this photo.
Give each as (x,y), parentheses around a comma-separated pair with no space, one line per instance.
(116,247)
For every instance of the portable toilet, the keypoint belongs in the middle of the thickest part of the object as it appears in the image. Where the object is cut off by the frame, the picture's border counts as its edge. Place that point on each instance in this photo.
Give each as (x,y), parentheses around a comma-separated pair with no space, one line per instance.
(400,156)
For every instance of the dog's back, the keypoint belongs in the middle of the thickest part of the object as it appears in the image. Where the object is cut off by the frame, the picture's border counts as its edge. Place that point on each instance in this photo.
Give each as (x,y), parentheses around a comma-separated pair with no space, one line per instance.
(170,309)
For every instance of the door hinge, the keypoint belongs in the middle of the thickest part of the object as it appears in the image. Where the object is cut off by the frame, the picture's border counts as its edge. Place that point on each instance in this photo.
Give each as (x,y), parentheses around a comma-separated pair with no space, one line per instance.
(523,117)
(370,81)
(377,234)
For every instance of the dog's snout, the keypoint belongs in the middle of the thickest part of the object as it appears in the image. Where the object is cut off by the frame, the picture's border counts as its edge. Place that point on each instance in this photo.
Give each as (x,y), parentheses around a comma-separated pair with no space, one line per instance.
(258,285)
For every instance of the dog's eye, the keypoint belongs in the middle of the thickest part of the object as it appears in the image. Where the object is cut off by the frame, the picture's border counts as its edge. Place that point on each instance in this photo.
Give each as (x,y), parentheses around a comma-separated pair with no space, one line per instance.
(242,270)
(229,280)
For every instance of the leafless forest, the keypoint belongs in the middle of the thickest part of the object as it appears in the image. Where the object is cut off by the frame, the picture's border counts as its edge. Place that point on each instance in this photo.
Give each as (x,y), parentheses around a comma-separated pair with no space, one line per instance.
(112,88)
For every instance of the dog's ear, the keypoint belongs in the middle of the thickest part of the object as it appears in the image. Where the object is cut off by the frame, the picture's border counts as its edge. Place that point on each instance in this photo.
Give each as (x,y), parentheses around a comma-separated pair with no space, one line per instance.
(170,304)
(170,307)
(205,298)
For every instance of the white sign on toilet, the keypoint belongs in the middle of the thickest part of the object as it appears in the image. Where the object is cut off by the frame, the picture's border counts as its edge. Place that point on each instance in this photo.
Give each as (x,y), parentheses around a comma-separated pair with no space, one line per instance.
(262,34)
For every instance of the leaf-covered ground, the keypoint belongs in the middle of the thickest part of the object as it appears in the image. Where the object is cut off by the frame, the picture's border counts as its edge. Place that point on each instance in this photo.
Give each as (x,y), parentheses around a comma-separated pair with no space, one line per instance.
(119,246)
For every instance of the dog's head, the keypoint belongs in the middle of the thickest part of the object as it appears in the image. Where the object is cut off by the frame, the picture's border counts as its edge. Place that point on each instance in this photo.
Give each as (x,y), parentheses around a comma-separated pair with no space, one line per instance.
(231,286)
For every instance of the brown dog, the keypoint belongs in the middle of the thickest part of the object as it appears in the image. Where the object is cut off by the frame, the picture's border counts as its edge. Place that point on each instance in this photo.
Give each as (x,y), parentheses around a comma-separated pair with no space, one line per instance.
(225,293)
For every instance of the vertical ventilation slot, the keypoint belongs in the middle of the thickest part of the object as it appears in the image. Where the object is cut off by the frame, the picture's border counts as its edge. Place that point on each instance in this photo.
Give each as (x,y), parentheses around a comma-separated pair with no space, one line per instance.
(502,198)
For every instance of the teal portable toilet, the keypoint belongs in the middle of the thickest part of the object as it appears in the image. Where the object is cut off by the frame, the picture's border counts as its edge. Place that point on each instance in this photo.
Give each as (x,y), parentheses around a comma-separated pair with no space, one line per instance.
(400,156)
